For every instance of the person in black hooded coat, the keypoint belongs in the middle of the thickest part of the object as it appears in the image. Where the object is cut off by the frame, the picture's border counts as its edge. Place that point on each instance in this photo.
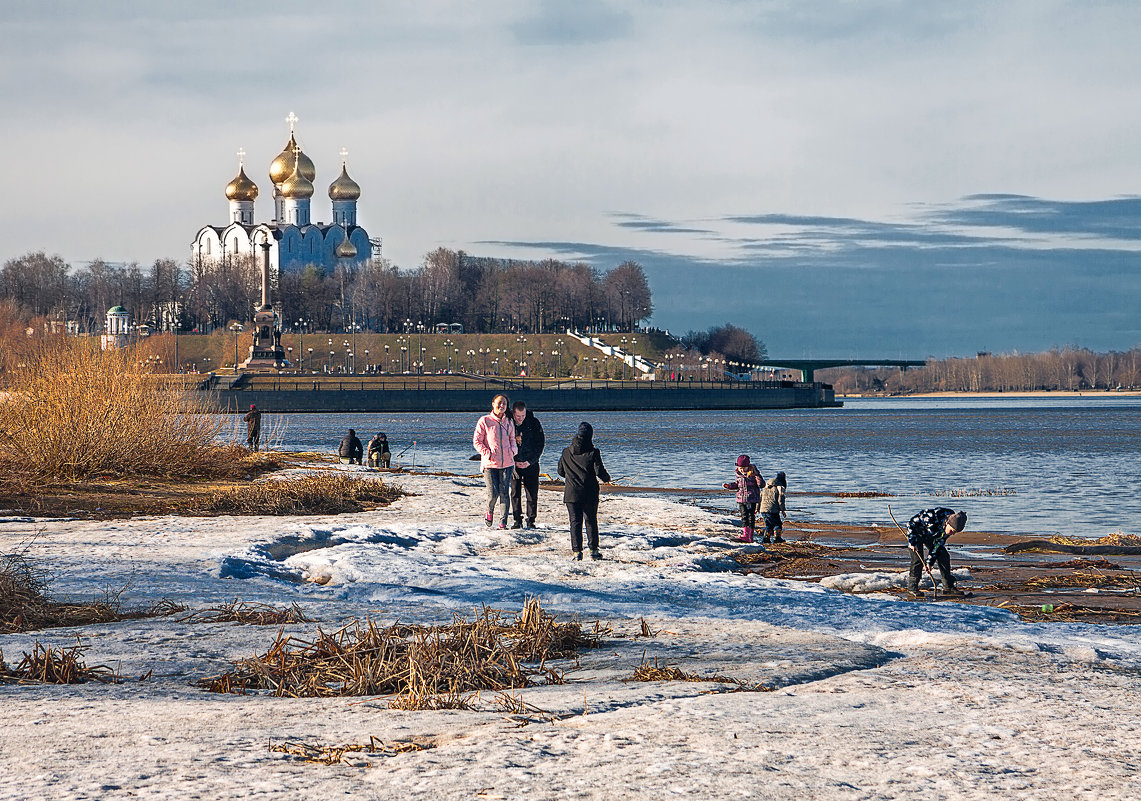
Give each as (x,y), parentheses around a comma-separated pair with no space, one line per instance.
(581,466)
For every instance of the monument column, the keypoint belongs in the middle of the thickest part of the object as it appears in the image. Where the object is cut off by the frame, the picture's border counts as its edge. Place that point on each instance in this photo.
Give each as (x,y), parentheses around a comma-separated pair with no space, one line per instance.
(265,351)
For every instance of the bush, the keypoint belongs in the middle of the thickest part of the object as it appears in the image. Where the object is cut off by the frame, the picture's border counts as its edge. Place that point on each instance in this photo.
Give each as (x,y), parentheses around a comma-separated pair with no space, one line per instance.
(75,412)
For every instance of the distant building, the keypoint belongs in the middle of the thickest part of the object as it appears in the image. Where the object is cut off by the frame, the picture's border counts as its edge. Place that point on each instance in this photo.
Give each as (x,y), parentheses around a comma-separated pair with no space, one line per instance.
(117,329)
(294,240)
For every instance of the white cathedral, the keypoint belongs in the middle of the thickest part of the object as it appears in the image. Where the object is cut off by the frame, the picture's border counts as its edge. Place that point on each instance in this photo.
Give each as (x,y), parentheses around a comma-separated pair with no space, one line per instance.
(293,240)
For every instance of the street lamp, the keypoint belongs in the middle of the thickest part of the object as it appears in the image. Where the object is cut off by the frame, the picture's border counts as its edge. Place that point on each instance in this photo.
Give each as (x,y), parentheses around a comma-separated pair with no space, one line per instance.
(331,361)
(387,365)
(634,358)
(235,328)
(290,349)
(310,359)
(470,357)
(366,359)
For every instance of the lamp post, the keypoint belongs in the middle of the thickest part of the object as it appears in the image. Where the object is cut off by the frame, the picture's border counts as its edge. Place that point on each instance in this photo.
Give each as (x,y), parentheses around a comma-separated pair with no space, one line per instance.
(301,323)
(403,358)
(310,360)
(634,358)
(470,358)
(420,335)
(332,362)
(366,360)
(235,328)
(290,349)
(387,364)
(623,358)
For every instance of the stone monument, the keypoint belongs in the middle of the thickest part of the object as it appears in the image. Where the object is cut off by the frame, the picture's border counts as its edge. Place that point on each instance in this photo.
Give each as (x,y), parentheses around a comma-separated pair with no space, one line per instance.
(266,352)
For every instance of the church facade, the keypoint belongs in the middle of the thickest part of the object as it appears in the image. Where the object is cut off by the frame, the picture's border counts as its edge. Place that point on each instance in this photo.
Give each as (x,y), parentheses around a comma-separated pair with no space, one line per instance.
(291,239)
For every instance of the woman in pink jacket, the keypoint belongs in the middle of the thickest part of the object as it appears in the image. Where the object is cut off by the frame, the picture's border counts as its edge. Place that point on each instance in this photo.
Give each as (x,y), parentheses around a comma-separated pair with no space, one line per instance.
(494,438)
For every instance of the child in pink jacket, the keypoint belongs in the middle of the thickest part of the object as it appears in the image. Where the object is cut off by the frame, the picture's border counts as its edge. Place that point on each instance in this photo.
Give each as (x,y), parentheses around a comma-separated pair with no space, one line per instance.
(494,438)
(748,484)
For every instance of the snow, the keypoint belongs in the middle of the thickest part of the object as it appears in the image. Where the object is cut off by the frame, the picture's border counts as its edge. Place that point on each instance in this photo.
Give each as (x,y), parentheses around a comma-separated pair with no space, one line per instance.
(875,697)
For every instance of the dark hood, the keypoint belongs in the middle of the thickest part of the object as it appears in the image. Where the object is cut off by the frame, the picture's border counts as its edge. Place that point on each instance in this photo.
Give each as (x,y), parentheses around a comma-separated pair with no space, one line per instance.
(583,441)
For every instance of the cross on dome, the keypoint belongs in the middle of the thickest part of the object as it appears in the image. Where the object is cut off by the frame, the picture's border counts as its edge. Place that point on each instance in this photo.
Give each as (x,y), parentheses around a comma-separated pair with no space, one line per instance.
(241,157)
(292,120)
(344,154)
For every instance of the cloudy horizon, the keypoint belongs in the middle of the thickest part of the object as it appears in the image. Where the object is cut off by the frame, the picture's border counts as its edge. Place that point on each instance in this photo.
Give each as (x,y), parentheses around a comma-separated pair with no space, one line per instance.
(846,180)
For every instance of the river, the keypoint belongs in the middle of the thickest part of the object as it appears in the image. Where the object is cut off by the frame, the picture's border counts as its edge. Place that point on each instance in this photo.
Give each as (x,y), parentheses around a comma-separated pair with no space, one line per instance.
(1032,466)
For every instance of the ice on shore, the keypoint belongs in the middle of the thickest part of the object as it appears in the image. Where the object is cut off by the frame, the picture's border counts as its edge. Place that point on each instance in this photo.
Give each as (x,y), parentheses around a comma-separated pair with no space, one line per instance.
(874,697)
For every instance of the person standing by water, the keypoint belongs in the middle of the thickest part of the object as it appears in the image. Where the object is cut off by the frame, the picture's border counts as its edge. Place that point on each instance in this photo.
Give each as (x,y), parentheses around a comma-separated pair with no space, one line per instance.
(350,450)
(772,507)
(748,484)
(494,438)
(379,454)
(253,428)
(530,438)
(929,531)
(581,466)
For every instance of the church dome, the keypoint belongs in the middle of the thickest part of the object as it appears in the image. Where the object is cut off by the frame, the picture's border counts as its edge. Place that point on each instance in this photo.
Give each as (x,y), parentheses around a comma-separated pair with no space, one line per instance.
(282,167)
(297,185)
(346,250)
(241,188)
(344,188)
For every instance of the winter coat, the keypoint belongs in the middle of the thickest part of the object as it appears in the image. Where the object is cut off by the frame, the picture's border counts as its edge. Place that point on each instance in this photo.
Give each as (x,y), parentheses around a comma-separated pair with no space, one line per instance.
(495,441)
(772,498)
(253,421)
(531,439)
(350,447)
(747,484)
(581,466)
(929,528)
(378,445)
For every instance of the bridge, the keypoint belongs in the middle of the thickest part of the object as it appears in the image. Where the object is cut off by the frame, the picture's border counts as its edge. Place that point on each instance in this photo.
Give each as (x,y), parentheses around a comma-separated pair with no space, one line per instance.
(808,367)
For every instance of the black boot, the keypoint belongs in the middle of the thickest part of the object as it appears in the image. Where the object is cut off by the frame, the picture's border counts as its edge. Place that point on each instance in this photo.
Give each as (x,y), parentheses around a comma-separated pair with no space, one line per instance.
(517,524)
(915,592)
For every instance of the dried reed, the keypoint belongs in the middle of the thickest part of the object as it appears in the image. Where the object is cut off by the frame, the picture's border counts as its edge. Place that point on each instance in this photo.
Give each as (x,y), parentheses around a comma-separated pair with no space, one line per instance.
(1085,579)
(324,493)
(654,672)
(424,667)
(1117,538)
(76,412)
(335,754)
(26,606)
(52,666)
(252,614)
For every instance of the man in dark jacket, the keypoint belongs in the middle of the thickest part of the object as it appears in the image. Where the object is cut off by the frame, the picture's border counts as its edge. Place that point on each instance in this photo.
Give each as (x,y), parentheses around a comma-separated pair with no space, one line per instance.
(530,438)
(379,454)
(928,531)
(350,451)
(581,466)
(253,428)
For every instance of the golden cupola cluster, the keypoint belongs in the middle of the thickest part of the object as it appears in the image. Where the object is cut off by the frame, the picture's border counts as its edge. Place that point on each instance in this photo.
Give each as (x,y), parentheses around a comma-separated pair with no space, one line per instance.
(241,188)
(344,188)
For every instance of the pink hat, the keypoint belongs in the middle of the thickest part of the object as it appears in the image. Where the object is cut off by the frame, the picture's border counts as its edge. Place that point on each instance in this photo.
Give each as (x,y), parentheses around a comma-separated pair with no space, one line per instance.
(742,460)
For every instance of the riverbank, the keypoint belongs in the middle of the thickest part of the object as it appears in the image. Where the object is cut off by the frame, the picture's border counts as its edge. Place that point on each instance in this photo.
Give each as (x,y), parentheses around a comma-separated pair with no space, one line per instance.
(795,689)
(1083,393)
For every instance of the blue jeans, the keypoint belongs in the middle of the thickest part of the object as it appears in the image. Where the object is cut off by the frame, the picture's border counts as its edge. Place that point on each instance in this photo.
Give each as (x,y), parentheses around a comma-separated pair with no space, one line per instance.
(498,481)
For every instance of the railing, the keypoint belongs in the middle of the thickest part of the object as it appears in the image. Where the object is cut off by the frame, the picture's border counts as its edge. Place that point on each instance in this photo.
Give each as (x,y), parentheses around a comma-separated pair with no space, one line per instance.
(499,385)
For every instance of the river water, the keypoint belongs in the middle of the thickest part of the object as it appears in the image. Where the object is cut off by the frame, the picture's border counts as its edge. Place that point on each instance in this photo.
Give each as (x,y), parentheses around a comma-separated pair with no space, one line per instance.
(1032,466)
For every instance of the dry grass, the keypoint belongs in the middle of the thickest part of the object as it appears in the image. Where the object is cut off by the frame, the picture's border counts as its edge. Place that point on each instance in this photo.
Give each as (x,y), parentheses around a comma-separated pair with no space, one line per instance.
(76,412)
(1073,613)
(250,614)
(337,754)
(1117,539)
(325,493)
(648,671)
(26,606)
(1084,579)
(55,666)
(424,667)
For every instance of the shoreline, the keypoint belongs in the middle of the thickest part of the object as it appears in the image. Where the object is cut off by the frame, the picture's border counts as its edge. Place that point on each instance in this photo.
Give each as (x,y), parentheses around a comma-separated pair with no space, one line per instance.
(1045,393)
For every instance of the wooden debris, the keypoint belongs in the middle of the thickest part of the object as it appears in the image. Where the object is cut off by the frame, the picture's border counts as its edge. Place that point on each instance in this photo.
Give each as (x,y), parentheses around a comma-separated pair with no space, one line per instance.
(55,666)
(335,754)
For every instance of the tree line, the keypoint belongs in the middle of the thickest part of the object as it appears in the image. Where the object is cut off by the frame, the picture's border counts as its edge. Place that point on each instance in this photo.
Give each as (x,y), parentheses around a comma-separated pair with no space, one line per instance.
(485,295)
(1068,369)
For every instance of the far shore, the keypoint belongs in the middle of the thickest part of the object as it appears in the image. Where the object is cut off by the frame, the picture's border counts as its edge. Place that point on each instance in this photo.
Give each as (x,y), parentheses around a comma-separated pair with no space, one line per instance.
(1046,393)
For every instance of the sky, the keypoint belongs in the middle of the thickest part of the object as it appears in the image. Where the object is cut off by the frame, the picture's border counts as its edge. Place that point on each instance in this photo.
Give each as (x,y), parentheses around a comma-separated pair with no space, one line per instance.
(843,179)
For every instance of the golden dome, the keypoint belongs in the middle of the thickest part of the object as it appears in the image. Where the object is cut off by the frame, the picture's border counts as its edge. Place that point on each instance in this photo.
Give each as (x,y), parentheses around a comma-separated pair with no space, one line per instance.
(297,185)
(344,188)
(345,250)
(242,188)
(282,166)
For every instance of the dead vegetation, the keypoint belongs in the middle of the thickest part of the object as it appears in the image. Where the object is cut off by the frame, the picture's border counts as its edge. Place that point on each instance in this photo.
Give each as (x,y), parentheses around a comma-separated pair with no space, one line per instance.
(652,671)
(249,614)
(323,493)
(339,754)
(1072,613)
(423,667)
(26,606)
(1117,539)
(55,666)
(793,561)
